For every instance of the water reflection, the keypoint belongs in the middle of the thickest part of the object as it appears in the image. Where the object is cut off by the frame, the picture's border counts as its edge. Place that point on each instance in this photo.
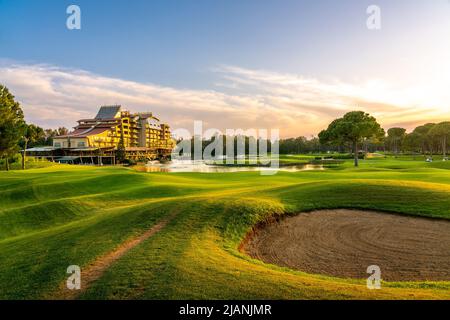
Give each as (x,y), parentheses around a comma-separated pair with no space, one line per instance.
(202,167)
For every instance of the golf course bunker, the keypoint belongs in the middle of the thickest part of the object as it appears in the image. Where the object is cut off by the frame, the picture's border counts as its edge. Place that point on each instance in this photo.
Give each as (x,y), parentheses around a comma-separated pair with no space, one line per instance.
(343,243)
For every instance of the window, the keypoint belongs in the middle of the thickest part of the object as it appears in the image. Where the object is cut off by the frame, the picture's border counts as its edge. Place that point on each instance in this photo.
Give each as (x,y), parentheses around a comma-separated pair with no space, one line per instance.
(81,144)
(57,144)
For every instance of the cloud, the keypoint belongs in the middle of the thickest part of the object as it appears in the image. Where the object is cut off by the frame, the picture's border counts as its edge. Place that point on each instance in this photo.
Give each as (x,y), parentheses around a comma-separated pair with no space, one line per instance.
(318,102)
(52,96)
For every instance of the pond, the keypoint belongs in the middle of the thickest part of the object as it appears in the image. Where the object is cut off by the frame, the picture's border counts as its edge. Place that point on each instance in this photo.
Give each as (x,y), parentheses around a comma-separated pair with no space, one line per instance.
(202,167)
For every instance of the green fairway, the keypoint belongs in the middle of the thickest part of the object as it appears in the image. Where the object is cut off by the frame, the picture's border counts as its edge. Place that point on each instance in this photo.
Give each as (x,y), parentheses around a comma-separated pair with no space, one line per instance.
(58,216)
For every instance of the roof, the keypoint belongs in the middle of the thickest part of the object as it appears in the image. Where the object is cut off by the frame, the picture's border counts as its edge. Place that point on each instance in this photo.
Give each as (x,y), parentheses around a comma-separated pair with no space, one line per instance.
(105,120)
(137,149)
(107,112)
(85,132)
(41,149)
(93,132)
(85,149)
(67,158)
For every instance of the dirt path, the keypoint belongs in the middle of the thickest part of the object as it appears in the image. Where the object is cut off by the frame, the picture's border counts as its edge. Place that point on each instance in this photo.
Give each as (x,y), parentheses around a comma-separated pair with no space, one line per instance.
(344,243)
(95,270)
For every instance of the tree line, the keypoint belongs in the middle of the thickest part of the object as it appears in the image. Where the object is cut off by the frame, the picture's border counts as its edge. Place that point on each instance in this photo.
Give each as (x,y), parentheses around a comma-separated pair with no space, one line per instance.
(430,138)
(356,132)
(286,146)
(16,134)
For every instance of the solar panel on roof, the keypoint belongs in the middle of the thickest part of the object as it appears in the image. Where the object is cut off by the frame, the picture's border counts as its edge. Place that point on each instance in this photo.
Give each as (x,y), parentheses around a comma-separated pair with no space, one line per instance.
(107,112)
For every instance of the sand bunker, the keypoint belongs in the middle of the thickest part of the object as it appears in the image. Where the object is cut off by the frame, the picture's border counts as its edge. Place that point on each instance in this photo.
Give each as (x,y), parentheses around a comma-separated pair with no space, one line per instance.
(344,243)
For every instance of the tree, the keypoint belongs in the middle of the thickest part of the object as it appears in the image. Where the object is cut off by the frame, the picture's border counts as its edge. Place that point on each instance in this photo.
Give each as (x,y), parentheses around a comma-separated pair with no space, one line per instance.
(51,133)
(423,138)
(33,134)
(326,137)
(12,125)
(62,131)
(412,142)
(120,154)
(352,128)
(441,132)
(395,138)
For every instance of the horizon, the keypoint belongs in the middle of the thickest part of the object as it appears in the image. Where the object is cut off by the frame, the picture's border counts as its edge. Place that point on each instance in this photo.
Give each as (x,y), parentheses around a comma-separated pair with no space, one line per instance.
(229,64)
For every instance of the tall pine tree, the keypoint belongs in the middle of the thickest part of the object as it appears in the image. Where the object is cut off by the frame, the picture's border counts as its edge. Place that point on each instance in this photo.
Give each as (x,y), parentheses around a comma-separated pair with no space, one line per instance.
(120,153)
(12,125)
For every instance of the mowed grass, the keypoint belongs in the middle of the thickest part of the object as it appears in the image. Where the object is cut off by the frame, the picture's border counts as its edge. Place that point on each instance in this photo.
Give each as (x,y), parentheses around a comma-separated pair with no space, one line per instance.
(58,216)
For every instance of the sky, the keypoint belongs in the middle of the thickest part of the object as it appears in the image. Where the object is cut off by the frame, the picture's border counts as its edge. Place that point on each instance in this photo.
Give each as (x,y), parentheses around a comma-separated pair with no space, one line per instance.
(291,65)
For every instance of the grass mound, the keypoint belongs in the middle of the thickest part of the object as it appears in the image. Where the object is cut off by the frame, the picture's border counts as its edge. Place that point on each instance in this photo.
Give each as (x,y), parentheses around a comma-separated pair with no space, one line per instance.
(58,216)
